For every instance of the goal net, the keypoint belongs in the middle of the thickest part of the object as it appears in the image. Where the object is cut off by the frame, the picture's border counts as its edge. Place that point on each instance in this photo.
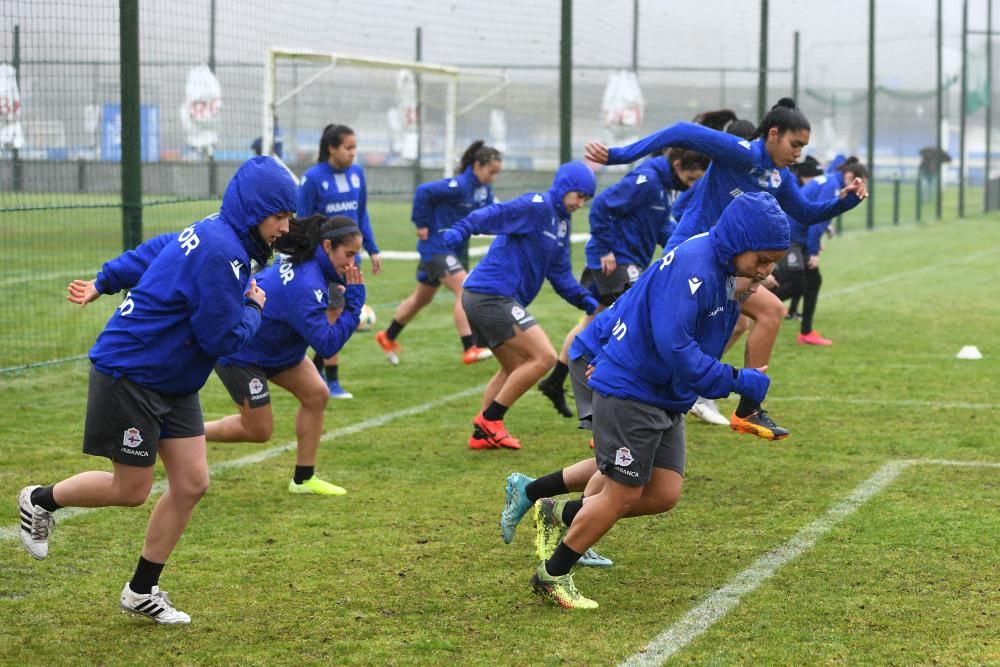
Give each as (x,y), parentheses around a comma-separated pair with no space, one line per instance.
(405,114)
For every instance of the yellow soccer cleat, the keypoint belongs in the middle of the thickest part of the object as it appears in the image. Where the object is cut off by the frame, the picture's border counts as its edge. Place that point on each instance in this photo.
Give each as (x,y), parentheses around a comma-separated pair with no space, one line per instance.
(560,590)
(316,486)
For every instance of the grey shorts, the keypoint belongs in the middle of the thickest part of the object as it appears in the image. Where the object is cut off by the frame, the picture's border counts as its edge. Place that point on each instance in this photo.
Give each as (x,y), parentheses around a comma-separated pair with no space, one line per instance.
(632,438)
(431,272)
(126,421)
(609,288)
(493,317)
(247,383)
(582,393)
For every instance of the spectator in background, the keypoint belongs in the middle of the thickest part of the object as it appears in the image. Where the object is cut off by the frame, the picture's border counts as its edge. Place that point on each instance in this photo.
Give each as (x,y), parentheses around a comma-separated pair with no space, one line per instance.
(931,159)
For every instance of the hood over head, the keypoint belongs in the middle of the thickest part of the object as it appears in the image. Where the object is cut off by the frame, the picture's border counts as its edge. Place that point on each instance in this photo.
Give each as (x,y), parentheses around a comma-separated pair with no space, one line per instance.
(752,222)
(572,177)
(261,187)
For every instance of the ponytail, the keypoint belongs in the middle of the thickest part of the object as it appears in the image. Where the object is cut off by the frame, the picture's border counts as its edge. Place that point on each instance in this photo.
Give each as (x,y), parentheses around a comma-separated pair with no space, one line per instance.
(784,116)
(478,153)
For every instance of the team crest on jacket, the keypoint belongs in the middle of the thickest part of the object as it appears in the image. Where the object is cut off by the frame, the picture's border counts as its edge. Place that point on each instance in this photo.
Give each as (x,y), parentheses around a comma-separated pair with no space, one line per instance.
(775,178)
(623,457)
(563,229)
(355,181)
(132,438)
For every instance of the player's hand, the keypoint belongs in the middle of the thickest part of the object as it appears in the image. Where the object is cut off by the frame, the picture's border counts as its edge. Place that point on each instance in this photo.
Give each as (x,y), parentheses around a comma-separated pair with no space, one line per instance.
(770,282)
(256,294)
(82,292)
(353,276)
(376,264)
(590,370)
(422,233)
(858,187)
(608,264)
(813,262)
(595,151)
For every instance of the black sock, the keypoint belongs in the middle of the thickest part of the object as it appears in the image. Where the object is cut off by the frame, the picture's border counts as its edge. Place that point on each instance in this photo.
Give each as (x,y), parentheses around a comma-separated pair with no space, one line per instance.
(42,496)
(302,473)
(394,329)
(548,486)
(558,375)
(466,341)
(147,575)
(331,372)
(318,362)
(746,407)
(570,510)
(495,411)
(562,561)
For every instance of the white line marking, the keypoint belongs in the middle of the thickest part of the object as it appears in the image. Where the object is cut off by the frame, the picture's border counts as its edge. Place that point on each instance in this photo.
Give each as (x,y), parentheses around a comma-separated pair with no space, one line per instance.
(724,600)
(10,532)
(901,403)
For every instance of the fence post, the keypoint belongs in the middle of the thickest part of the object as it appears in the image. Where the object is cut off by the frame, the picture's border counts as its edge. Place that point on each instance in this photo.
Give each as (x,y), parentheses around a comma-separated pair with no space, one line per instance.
(16,60)
(131,158)
(895,201)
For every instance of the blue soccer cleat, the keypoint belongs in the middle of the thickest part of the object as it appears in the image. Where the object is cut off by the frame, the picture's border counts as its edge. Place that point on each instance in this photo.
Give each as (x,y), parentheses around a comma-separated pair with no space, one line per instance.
(515,506)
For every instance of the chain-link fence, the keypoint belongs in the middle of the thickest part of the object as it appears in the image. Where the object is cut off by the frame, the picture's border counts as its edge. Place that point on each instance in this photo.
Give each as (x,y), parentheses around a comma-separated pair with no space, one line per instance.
(202,107)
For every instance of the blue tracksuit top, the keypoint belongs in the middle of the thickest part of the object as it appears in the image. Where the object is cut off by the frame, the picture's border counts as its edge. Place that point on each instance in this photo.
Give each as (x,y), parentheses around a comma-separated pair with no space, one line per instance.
(632,217)
(294,317)
(330,192)
(738,166)
(588,343)
(532,242)
(189,307)
(681,203)
(440,204)
(672,325)
(820,188)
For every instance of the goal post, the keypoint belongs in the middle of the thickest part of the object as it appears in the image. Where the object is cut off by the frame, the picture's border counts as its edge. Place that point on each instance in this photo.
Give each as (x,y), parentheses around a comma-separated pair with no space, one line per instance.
(319,69)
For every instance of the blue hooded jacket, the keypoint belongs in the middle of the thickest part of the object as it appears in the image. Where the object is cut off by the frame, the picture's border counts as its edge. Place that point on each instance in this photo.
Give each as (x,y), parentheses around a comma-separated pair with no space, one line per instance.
(439,204)
(188,308)
(672,325)
(294,317)
(818,189)
(588,343)
(632,217)
(330,192)
(738,166)
(532,244)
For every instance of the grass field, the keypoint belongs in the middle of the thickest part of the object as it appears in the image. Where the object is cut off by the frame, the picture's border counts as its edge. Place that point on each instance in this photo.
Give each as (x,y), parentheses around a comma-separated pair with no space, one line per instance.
(819,552)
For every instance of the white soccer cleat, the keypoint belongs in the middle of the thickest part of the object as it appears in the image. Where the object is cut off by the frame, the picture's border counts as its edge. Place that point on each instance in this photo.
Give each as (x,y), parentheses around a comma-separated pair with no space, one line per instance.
(706,410)
(156,605)
(36,524)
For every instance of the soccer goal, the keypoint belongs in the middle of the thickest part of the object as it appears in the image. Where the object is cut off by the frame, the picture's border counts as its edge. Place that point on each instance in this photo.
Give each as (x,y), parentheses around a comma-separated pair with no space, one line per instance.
(403,112)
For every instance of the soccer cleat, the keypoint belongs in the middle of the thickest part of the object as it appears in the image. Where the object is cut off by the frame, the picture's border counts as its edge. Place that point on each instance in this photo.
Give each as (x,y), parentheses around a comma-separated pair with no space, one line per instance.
(495,432)
(557,395)
(549,526)
(316,486)
(478,440)
(336,391)
(560,590)
(474,354)
(706,410)
(36,524)
(390,347)
(515,505)
(591,558)
(155,605)
(813,338)
(758,423)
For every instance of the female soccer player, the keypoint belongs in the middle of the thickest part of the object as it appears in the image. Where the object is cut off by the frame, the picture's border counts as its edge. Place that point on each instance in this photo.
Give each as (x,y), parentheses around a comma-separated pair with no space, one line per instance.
(627,221)
(335,185)
(318,251)
(798,274)
(739,167)
(662,353)
(436,206)
(532,245)
(191,301)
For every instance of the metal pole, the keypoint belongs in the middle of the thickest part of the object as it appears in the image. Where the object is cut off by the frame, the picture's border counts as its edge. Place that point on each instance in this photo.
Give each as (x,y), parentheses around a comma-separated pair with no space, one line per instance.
(795,68)
(635,35)
(213,171)
(17,174)
(131,158)
(870,208)
(895,201)
(762,65)
(566,84)
(963,104)
(418,176)
(938,181)
(989,103)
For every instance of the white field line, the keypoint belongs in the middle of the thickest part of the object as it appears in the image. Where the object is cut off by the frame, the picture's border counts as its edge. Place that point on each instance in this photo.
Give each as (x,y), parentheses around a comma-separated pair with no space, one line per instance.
(721,602)
(10,532)
(898,403)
